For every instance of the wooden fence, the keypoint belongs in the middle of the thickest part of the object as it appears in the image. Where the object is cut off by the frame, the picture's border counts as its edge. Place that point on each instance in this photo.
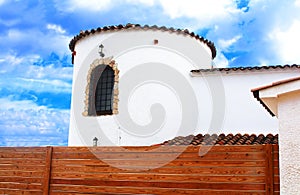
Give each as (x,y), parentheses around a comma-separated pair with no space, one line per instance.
(140,170)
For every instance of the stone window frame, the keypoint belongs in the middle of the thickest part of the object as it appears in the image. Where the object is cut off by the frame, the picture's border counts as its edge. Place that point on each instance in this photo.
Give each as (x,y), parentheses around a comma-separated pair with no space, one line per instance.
(89,102)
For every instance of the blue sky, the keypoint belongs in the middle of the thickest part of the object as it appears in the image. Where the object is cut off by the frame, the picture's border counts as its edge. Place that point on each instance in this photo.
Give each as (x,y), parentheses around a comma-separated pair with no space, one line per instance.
(35,63)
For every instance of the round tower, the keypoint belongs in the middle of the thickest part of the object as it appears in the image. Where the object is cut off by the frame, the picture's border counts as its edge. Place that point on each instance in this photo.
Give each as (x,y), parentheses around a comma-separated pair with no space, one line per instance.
(132,84)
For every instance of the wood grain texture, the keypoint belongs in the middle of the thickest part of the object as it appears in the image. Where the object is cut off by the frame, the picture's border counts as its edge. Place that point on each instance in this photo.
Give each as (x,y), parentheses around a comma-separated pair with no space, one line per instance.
(22,170)
(230,170)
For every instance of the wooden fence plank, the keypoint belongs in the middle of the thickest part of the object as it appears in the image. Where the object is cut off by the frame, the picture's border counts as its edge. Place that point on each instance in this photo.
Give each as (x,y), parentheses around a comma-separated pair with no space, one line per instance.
(161,149)
(18,173)
(162,177)
(22,161)
(21,179)
(276,186)
(155,155)
(19,192)
(148,170)
(125,164)
(22,149)
(18,167)
(29,155)
(269,169)
(160,184)
(203,170)
(21,170)
(61,189)
(47,173)
(21,185)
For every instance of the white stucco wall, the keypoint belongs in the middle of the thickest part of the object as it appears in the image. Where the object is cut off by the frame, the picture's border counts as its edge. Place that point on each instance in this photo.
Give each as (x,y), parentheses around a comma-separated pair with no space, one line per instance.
(289,143)
(283,98)
(150,74)
(243,113)
(160,95)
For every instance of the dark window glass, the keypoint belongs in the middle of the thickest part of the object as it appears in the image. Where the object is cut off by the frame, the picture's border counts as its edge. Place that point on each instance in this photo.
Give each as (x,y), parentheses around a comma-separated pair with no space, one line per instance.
(104,90)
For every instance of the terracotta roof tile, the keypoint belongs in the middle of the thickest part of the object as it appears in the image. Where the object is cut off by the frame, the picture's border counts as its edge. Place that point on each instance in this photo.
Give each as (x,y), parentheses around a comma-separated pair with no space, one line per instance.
(276,83)
(83,34)
(273,67)
(223,139)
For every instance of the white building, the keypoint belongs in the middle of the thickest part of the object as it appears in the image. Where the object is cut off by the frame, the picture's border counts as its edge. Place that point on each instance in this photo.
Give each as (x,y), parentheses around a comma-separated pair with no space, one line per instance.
(155,83)
(282,98)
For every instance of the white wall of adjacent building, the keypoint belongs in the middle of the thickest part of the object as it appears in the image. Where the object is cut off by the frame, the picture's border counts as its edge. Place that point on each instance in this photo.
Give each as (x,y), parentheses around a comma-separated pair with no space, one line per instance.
(243,113)
(289,144)
(284,101)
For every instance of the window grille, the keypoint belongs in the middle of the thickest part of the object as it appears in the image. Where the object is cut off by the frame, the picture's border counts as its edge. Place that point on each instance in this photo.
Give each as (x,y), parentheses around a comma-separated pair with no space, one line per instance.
(104,91)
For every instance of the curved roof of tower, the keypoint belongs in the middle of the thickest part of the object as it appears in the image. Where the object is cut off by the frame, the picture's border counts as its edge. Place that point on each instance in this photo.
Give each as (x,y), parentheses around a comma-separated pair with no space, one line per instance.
(120,27)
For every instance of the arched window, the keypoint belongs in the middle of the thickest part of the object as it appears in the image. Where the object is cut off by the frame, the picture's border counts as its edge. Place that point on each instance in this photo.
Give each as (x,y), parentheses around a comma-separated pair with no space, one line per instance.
(101,93)
(104,91)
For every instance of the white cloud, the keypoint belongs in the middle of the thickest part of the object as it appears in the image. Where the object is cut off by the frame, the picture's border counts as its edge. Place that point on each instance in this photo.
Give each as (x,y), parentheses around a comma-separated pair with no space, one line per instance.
(287,43)
(24,39)
(2,2)
(225,44)
(267,29)
(11,59)
(9,62)
(57,43)
(7,104)
(90,5)
(20,73)
(220,61)
(206,12)
(15,34)
(56,28)
(145,2)
(36,85)
(24,123)
(24,67)
(43,85)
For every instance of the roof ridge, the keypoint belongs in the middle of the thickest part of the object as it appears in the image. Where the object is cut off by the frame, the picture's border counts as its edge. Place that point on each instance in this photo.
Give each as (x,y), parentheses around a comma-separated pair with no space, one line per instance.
(243,68)
(85,33)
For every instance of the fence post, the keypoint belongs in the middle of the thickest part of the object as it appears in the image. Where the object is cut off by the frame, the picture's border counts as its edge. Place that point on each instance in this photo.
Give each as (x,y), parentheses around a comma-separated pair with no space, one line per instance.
(47,173)
(269,169)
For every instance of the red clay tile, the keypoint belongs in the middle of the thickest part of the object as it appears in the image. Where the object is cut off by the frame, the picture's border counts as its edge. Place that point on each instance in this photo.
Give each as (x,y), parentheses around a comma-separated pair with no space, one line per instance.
(223,139)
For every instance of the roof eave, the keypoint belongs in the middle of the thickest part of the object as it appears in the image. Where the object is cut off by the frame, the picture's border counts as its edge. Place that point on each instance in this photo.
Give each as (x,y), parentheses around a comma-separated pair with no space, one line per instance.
(83,34)
(243,69)
(269,96)
(256,96)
